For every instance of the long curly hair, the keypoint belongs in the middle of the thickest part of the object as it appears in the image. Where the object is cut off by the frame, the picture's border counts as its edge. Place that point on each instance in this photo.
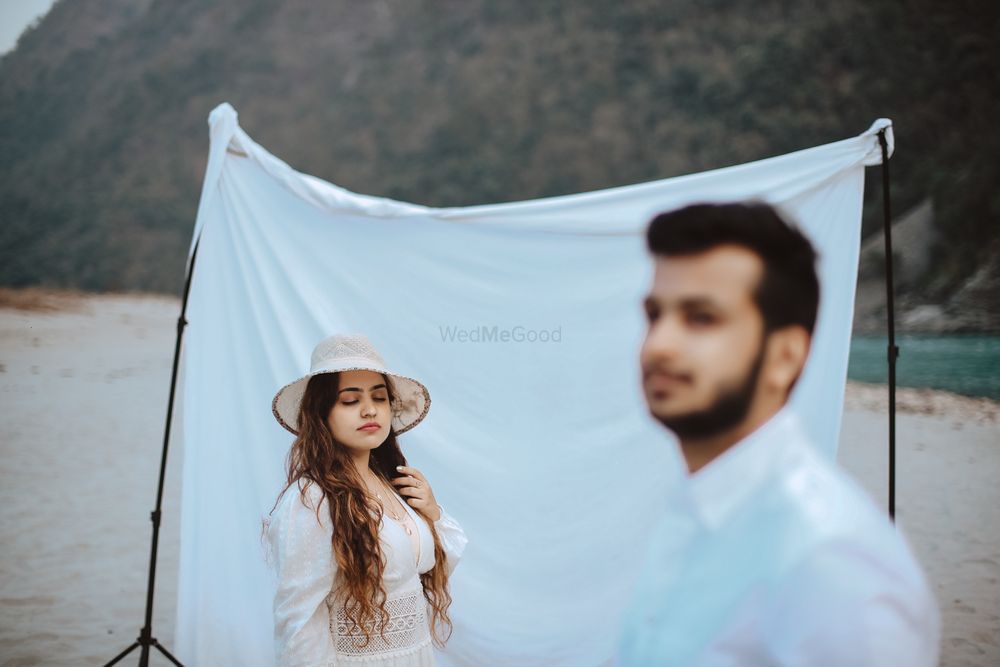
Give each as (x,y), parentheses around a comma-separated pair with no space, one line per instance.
(317,458)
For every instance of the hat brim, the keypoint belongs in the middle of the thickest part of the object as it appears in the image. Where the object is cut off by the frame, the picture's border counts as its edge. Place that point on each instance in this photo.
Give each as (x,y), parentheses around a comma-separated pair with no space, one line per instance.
(410,404)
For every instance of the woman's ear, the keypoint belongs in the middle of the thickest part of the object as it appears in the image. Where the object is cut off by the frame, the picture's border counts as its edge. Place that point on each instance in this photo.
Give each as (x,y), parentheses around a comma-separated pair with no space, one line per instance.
(788,349)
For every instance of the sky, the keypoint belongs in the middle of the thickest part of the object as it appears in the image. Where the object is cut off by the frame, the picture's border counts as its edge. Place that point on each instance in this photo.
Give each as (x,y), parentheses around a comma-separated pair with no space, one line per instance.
(15,16)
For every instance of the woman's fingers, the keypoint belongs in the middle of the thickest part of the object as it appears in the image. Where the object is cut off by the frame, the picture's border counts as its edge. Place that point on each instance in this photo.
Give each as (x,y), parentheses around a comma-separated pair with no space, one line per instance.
(404,482)
(412,472)
(411,482)
(415,488)
(427,505)
(412,492)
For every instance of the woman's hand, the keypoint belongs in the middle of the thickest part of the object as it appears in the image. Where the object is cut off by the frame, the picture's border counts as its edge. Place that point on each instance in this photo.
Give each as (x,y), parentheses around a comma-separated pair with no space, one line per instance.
(417,491)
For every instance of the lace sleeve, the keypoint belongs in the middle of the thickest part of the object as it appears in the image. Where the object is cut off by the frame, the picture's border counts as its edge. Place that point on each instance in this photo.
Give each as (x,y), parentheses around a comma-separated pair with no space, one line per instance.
(453,538)
(303,560)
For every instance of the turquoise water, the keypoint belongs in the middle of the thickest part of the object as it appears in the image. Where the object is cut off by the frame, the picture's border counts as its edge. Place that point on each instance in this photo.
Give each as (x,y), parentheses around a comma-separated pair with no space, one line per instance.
(967,365)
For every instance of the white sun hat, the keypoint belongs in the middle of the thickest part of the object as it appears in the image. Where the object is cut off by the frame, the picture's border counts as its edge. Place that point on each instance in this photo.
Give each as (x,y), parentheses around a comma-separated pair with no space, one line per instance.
(353,352)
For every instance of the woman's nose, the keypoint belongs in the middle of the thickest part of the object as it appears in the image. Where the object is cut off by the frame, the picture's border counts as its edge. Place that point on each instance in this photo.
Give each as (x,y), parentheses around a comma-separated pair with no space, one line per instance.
(368,408)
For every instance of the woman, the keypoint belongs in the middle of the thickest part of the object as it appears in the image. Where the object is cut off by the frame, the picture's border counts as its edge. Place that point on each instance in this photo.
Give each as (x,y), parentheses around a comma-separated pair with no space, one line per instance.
(362,550)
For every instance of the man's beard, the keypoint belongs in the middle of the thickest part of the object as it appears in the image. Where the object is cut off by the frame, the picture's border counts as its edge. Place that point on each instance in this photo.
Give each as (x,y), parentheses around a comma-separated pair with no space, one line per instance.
(728,410)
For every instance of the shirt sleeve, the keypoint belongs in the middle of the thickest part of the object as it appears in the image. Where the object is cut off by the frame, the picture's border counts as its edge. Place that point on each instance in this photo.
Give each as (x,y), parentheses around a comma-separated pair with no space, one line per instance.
(845,605)
(453,539)
(305,567)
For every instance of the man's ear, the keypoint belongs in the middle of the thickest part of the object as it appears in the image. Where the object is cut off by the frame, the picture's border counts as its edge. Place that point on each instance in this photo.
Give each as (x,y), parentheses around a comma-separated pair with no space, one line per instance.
(788,349)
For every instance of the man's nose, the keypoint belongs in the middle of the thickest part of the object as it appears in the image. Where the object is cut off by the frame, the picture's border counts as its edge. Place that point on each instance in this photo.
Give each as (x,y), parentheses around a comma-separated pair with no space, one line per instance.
(663,338)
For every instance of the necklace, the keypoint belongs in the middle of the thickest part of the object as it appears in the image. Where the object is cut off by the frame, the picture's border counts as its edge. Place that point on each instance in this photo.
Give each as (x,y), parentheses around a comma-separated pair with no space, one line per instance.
(404,520)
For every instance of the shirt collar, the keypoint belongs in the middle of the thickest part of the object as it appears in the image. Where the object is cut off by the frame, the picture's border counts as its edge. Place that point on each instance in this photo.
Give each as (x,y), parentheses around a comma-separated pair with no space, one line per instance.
(722,486)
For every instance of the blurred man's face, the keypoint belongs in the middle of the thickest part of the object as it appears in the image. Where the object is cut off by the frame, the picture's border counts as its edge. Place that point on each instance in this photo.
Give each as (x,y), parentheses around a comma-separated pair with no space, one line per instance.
(704,348)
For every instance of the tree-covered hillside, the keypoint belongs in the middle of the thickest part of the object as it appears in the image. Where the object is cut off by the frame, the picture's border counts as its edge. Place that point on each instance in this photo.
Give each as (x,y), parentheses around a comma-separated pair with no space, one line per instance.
(449,102)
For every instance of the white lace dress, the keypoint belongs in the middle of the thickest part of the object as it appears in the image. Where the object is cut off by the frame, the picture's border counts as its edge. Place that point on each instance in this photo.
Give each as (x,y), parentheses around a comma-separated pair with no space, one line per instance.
(310,627)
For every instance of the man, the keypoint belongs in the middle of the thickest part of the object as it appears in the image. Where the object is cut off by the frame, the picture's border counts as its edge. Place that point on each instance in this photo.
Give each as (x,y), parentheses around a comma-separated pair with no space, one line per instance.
(771,554)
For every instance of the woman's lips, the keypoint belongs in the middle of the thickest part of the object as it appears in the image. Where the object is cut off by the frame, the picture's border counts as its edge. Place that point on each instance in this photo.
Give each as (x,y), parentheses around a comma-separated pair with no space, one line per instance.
(368,428)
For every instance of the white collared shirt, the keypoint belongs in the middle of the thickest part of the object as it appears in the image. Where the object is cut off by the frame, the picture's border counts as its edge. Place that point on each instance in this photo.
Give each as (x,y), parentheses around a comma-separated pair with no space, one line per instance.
(774,556)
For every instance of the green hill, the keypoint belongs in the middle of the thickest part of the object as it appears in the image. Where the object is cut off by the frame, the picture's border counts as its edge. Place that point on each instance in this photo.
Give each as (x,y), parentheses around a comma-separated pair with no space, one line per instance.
(103,108)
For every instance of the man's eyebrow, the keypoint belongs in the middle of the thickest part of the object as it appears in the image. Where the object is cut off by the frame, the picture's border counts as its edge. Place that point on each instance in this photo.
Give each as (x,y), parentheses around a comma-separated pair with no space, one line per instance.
(374,387)
(684,302)
(698,302)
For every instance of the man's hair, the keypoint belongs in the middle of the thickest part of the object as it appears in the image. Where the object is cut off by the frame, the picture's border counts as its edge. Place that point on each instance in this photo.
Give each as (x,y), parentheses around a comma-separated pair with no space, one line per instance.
(788,293)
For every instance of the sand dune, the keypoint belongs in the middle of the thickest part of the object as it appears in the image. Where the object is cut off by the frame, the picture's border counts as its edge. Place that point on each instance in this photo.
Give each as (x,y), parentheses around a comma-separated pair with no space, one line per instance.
(83,384)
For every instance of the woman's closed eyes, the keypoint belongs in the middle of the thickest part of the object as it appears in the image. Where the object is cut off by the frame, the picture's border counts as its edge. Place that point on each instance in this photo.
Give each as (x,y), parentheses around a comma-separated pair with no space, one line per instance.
(380,399)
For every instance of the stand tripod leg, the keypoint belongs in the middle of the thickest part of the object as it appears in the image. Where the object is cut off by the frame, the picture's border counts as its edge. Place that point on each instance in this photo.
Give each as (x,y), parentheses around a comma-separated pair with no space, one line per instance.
(146,638)
(121,655)
(165,652)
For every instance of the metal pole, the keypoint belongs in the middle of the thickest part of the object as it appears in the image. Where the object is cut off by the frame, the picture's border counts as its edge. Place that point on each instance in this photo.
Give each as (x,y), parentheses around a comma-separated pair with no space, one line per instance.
(146,638)
(892,352)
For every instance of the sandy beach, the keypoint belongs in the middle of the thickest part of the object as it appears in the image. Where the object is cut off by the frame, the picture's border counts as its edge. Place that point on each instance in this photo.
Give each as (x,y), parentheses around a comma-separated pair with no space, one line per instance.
(84,382)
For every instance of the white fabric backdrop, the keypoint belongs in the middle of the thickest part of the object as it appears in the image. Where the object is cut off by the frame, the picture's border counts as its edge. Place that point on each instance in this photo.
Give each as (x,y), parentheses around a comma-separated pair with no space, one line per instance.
(542,450)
